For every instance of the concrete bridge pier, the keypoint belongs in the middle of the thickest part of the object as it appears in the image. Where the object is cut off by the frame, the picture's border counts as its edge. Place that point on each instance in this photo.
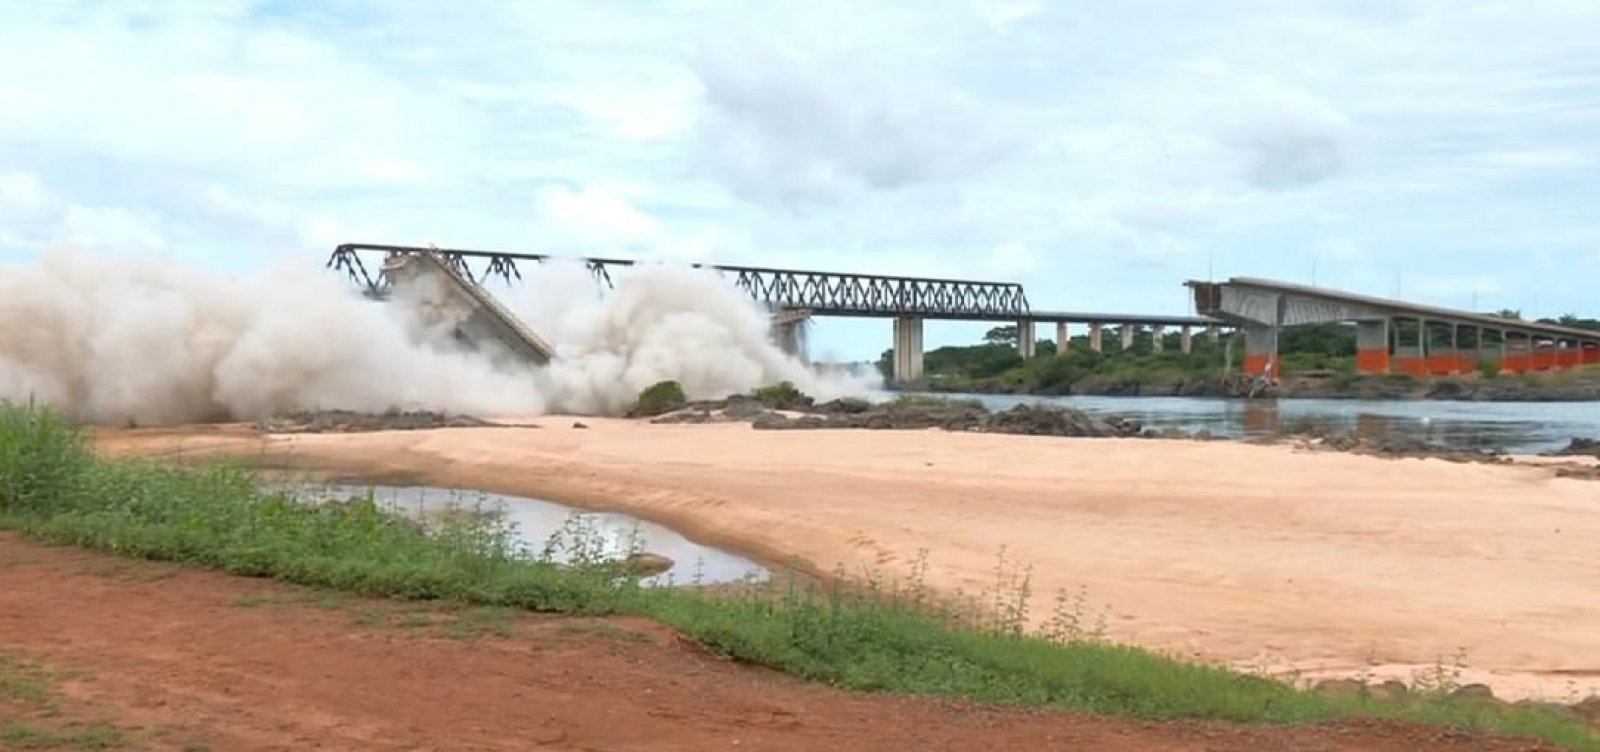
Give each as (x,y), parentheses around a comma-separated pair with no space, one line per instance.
(1157,334)
(1372,346)
(1097,341)
(1063,339)
(1410,359)
(907,349)
(1027,341)
(1127,336)
(1186,340)
(1261,351)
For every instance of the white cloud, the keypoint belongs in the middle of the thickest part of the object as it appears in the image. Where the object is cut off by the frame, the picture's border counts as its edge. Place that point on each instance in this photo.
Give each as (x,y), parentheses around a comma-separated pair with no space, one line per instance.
(595,217)
(1097,151)
(784,127)
(112,228)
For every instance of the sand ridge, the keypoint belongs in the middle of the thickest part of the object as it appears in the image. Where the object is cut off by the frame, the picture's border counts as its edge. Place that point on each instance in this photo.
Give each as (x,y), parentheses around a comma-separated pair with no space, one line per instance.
(1263,557)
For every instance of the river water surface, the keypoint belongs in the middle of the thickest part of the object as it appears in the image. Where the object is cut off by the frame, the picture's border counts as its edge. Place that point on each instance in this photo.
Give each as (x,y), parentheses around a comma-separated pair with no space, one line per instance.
(535,521)
(1517,427)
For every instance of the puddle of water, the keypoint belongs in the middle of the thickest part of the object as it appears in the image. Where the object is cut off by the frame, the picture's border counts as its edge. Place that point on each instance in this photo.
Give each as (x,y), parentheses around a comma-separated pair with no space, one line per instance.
(534,521)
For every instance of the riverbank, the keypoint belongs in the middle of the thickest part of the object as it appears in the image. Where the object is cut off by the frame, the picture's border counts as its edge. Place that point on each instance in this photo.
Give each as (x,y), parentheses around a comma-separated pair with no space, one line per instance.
(1261,557)
(1580,385)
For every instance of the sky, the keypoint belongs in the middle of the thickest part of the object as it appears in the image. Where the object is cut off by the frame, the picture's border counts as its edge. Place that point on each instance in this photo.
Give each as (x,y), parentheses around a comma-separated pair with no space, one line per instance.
(1099,153)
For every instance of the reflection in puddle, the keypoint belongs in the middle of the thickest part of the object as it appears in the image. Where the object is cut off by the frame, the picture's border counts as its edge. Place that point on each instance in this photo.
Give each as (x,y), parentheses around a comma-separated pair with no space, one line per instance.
(535,523)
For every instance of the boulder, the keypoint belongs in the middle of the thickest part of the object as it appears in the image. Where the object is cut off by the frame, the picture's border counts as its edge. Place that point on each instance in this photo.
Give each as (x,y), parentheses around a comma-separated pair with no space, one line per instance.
(1340,688)
(1474,692)
(1392,690)
(646,564)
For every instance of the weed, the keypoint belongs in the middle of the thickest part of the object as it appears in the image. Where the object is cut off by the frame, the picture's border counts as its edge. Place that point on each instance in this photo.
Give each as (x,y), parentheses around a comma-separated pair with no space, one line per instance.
(854,634)
(95,737)
(22,681)
(477,622)
(415,620)
(607,630)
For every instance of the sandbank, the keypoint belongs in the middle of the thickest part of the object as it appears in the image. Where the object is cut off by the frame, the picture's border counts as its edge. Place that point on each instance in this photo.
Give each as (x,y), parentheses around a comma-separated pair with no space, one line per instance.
(1262,557)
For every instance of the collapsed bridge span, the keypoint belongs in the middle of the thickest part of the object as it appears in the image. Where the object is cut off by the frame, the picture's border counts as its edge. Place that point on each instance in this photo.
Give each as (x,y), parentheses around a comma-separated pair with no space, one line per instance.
(446,296)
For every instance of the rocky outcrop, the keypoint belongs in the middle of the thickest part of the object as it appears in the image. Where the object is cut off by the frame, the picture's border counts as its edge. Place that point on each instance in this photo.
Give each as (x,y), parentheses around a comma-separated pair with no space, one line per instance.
(332,421)
(912,414)
(1578,447)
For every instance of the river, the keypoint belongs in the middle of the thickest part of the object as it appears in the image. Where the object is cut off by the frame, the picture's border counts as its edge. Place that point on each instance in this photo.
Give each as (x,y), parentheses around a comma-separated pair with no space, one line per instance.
(1517,427)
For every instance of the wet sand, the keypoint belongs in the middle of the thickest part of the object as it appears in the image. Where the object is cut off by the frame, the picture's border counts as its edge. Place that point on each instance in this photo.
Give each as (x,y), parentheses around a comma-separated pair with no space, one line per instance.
(1264,557)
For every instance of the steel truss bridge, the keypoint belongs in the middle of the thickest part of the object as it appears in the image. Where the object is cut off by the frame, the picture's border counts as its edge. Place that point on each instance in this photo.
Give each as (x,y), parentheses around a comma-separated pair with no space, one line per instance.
(822,293)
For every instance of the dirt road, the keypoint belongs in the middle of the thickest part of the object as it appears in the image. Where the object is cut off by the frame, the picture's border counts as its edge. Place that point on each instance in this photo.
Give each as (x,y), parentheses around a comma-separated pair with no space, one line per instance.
(1262,557)
(164,658)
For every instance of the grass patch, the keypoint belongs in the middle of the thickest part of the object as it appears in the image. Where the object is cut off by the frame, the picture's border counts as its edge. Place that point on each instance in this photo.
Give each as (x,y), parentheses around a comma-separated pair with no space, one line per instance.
(22,681)
(861,636)
(325,600)
(601,629)
(95,737)
(474,623)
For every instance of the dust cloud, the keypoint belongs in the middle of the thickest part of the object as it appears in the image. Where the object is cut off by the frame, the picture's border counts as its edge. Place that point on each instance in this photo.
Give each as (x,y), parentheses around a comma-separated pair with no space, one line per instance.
(115,340)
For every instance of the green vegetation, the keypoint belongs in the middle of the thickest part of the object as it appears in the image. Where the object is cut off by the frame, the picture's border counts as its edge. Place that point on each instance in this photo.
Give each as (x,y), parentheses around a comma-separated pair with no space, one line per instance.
(99,736)
(783,395)
(1327,350)
(854,635)
(25,685)
(995,366)
(659,398)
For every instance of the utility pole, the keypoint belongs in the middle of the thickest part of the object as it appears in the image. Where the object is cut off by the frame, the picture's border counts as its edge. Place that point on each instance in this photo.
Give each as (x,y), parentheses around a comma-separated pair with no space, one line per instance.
(1313,270)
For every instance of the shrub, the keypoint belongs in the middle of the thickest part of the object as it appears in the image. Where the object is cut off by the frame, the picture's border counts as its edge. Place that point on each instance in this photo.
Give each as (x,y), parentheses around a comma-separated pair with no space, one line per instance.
(783,395)
(659,398)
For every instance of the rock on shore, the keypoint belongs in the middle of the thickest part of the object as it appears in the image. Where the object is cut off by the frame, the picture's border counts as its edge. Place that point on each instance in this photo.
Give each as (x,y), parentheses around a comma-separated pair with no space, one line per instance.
(326,421)
(908,415)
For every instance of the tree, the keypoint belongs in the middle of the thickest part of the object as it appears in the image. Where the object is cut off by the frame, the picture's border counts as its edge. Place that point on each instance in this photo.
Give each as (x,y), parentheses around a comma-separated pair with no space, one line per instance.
(1507,313)
(1002,335)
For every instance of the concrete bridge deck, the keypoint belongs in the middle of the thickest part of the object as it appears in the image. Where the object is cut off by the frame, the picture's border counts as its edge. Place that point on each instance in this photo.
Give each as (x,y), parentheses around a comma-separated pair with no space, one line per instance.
(1393,336)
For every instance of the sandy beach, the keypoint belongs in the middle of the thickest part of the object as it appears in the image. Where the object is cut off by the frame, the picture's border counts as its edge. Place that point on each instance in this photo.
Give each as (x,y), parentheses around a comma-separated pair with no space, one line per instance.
(1263,557)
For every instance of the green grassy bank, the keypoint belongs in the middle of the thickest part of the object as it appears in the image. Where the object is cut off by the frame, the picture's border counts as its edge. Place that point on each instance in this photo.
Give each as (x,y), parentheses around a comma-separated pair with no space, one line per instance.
(860,636)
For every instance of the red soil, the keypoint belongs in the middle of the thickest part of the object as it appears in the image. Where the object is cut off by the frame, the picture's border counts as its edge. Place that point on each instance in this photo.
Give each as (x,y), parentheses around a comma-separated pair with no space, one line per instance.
(193,660)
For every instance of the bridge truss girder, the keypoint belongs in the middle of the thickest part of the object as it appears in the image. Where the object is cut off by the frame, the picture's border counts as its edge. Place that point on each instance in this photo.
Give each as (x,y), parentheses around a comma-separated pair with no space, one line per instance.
(822,293)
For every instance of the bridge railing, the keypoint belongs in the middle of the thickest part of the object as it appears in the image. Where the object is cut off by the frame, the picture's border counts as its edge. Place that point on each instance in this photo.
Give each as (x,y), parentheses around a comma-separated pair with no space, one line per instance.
(824,293)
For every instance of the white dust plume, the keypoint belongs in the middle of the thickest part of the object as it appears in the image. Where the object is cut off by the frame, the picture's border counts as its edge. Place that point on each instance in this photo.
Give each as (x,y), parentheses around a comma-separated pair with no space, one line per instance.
(661,322)
(117,340)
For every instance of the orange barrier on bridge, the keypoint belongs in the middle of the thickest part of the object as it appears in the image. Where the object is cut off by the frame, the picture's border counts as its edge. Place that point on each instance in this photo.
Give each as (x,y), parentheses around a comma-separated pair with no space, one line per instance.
(1544,359)
(1591,354)
(1373,360)
(1411,365)
(1443,364)
(1571,357)
(1516,361)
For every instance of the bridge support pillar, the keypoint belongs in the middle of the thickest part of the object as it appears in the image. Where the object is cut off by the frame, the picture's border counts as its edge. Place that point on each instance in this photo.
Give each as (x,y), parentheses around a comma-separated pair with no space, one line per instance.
(1372,346)
(1127,336)
(1063,339)
(1097,341)
(1186,340)
(907,349)
(1261,352)
(1468,356)
(1158,336)
(1027,341)
(1214,333)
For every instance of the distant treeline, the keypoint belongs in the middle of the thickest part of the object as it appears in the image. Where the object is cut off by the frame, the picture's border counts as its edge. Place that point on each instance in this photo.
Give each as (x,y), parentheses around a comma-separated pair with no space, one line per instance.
(994,365)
